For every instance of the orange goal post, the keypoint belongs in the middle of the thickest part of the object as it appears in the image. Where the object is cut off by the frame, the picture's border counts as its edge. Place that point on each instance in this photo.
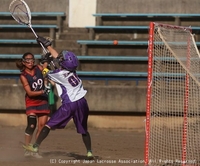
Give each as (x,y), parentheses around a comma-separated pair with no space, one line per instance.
(173,97)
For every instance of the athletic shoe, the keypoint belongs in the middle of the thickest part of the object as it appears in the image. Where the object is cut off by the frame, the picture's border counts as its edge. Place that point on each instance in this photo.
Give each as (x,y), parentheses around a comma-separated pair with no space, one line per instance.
(36,155)
(30,148)
(27,153)
(90,155)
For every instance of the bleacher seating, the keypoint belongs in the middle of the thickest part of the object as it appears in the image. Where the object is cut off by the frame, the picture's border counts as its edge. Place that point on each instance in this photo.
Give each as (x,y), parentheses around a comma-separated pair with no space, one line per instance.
(119,27)
(105,75)
(180,15)
(84,44)
(85,58)
(98,58)
(56,26)
(89,75)
(38,14)
(135,29)
(105,27)
(18,41)
(52,28)
(15,36)
(16,56)
(59,16)
(110,42)
(176,16)
(112,58)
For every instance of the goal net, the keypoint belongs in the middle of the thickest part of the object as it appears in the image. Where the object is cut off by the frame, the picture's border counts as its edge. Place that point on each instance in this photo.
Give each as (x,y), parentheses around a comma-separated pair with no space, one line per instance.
(173,97)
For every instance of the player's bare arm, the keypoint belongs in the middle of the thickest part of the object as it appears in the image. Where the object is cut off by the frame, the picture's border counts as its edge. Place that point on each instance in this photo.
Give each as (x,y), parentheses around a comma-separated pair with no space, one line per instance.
(27,88)
(53,52)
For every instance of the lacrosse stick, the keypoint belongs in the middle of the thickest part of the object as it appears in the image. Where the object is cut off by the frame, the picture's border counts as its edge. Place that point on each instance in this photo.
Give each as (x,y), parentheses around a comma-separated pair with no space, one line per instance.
(22,14)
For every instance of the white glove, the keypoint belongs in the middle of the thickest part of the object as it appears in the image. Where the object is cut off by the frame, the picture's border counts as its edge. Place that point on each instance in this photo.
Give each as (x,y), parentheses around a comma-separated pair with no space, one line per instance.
(47,89)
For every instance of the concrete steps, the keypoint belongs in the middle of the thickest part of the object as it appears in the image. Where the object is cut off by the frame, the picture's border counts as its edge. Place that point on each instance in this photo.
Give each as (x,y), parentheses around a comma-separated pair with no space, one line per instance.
(72,36)
(68,39)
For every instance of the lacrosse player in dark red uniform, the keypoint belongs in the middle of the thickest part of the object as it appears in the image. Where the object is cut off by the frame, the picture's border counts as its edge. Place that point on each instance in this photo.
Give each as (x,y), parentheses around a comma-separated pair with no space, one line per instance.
(36,99)
(70,89)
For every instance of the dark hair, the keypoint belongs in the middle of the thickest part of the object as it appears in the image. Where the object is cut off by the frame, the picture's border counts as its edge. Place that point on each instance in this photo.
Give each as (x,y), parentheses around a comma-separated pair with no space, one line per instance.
(19,63)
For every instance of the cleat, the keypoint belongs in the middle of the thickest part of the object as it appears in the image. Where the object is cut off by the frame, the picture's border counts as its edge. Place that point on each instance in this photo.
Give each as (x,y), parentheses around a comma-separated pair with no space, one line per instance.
(27,153)
(90,155)
(30,148)
(36,155)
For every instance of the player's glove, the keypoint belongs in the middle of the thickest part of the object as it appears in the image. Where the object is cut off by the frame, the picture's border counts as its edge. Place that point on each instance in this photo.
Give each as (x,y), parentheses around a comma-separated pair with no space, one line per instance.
(46,58)
(47,89)
(45,41)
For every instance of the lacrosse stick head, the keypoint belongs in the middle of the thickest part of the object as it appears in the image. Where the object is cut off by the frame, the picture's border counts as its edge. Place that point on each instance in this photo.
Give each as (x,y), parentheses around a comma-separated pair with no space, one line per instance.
(20,12)
(68,60)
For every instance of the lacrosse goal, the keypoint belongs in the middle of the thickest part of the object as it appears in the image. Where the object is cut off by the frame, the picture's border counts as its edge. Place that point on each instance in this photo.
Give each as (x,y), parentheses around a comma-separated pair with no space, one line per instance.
(173,97)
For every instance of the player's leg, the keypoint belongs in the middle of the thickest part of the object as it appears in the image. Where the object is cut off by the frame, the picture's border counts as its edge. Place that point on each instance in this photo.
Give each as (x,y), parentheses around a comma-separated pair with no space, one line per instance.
(42,119)
(42,135)
(80,120)
(58,120)
(31,125)
(87,141)
(28,139)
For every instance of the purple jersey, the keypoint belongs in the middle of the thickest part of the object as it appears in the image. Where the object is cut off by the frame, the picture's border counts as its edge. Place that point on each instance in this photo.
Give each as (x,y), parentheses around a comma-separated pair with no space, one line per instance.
(68,84)
(74,105)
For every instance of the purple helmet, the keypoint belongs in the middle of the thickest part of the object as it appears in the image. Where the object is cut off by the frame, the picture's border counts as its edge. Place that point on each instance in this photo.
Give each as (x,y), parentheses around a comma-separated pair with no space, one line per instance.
(68,60)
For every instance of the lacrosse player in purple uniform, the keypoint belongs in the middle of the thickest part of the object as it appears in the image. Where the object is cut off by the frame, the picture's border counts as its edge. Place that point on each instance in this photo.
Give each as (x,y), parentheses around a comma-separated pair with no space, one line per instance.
(70,89)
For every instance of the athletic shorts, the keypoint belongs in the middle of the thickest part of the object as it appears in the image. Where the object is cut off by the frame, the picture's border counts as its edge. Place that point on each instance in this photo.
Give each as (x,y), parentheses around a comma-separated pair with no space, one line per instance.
(77,110)
(40,109)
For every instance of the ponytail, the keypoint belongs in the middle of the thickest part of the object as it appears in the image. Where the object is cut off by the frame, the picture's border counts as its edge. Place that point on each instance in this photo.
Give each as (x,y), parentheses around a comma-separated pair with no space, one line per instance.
(20,65)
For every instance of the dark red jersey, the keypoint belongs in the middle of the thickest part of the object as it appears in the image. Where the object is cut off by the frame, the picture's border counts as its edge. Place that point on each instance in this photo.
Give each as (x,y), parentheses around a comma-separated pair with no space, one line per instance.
(36,83)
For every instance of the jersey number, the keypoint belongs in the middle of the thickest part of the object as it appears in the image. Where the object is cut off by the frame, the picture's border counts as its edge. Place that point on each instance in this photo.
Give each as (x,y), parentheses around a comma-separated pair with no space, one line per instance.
(37,85)
(74,80)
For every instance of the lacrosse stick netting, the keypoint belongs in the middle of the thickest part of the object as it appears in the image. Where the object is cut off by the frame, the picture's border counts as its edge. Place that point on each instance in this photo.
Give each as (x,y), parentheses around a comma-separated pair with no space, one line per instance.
(21,13)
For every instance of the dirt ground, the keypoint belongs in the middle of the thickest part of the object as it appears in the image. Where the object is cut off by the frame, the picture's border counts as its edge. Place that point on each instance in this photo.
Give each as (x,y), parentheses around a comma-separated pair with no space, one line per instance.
(65,146)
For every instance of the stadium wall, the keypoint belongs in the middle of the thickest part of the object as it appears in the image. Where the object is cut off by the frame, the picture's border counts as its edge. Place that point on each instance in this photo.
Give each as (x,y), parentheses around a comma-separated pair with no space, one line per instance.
(116,6)
(124,99)
(148,6)
(110,106)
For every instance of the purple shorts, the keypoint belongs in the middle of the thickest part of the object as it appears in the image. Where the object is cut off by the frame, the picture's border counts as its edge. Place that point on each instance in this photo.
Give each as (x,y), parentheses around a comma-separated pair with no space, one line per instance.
(77,110)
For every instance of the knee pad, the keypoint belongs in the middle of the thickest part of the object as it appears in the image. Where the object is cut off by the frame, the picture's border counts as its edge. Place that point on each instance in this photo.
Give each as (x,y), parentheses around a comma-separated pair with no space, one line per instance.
(32,121)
